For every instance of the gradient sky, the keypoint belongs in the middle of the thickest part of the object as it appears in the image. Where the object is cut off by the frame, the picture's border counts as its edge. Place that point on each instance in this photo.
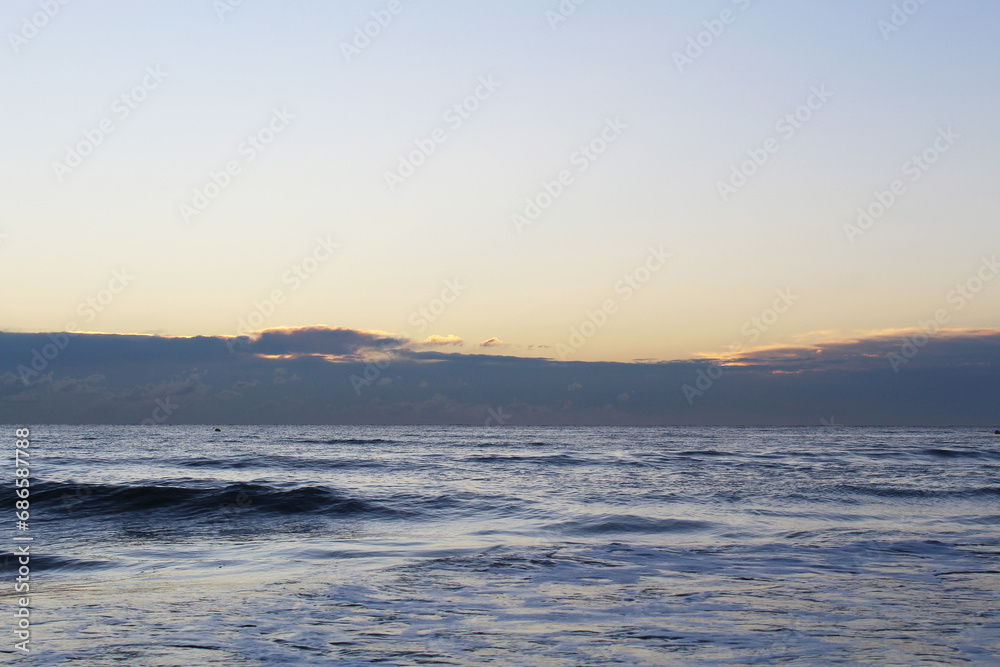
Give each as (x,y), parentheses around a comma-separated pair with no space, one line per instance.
(656,186)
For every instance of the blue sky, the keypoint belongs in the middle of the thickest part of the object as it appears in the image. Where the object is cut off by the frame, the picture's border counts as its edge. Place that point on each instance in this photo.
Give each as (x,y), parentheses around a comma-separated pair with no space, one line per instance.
(656,186)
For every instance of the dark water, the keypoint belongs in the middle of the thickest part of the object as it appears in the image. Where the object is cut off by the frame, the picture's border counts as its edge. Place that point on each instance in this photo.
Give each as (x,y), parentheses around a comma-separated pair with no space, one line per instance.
(513,546)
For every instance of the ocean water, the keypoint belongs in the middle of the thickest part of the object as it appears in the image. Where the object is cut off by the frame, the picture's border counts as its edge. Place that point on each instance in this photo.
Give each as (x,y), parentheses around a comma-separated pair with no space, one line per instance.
(177,545)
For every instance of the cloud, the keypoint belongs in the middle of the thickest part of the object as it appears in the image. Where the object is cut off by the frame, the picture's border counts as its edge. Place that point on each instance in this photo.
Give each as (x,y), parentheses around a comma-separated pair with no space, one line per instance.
(491,342)
(318,341)
(450,339)
(307,376)
(948,348)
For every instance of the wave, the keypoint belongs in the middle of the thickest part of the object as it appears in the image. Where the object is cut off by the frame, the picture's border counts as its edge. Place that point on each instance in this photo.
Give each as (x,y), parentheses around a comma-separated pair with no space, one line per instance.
(959,453)
(555,459)
(343,441)
(910,492)
(195,501)
(628,523)
(9,563)
(271,461)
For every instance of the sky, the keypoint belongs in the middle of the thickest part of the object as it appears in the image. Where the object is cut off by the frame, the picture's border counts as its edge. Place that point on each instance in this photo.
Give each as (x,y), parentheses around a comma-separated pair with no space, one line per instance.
(626,184)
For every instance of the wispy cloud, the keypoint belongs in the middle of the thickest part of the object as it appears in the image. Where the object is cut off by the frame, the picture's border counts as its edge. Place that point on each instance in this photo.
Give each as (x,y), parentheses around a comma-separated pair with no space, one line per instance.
(450,339)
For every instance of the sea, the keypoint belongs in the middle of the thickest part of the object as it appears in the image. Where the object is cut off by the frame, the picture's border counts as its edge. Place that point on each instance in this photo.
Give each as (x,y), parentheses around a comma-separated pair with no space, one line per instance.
(420,545)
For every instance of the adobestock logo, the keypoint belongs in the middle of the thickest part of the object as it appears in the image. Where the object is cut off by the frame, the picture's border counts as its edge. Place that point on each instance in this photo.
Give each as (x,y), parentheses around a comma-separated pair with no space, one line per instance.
(223,7)
(248,149)
(787,126)
(122,108)
(89,309)
(454,117)
(752,330)
(582,158)
(31,25)
(363,35)
(426,315)
(562,13)
(755,326)
(704,39)
(421,318)
(294,277)
(959,296)
(627,287)
(899,17)
(161,413)
(915,167)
